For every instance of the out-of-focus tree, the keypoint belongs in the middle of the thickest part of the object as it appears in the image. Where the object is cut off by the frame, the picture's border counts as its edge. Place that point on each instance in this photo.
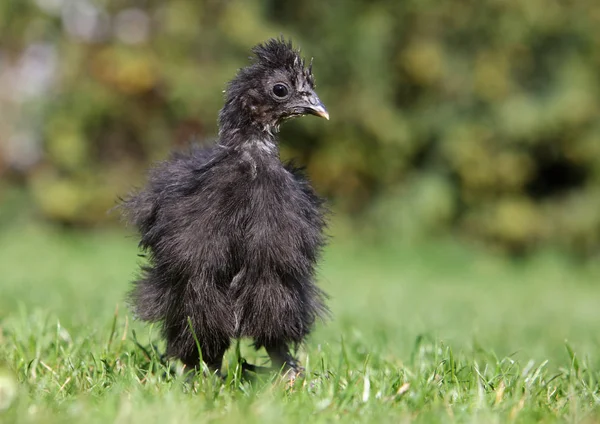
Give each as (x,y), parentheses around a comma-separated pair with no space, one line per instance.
(475,117)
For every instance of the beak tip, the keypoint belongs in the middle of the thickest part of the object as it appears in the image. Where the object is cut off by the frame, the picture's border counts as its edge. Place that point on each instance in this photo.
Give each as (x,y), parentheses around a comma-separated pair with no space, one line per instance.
(320,111)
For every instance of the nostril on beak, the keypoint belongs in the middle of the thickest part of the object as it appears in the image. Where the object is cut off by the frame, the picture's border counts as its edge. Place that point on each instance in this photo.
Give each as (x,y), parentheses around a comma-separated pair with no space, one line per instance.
(315,106)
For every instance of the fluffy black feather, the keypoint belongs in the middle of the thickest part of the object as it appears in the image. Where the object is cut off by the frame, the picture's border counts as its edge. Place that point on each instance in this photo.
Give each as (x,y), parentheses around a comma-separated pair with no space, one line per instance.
(233,235)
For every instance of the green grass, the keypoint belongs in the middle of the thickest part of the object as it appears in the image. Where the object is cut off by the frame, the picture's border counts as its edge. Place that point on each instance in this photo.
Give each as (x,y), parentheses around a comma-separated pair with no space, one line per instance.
(428,333)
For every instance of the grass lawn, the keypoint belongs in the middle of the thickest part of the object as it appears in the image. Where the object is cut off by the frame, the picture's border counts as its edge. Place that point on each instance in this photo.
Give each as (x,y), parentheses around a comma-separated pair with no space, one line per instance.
(430,333)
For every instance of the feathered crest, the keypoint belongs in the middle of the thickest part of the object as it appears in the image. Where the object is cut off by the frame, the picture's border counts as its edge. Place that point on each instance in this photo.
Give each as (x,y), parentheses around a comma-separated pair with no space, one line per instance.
(279,53)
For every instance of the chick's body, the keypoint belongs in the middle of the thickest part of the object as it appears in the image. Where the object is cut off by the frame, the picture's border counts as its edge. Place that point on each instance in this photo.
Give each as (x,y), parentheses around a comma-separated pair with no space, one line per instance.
(234,234)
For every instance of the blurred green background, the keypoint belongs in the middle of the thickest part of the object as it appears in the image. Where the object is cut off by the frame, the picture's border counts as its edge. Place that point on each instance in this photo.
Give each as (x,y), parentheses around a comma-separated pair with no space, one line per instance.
(475,119)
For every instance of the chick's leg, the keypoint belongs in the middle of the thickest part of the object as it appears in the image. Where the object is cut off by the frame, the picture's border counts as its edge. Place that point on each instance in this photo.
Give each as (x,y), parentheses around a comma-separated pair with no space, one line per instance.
(213,358)
(282,359)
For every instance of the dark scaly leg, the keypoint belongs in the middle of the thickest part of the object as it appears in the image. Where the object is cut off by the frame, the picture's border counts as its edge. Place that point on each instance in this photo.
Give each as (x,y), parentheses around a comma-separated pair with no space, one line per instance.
(212,359)
(282,359)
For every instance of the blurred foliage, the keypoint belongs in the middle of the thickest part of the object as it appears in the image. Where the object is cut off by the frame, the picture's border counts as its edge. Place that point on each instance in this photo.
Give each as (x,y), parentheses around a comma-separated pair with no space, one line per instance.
(475,117)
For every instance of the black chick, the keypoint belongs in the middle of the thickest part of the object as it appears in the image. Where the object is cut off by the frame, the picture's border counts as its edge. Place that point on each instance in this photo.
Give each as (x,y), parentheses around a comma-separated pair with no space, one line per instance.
(232,233)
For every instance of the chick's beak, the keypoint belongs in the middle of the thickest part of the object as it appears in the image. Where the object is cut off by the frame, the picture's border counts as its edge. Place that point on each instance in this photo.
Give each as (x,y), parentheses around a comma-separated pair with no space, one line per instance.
(315,107)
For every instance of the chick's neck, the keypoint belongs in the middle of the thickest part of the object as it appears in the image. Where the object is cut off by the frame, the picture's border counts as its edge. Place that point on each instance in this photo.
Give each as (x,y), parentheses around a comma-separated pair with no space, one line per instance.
(241,125)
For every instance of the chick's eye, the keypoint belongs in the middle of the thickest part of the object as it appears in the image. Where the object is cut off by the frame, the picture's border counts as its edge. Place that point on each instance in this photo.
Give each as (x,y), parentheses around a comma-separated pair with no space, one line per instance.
(280,90)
